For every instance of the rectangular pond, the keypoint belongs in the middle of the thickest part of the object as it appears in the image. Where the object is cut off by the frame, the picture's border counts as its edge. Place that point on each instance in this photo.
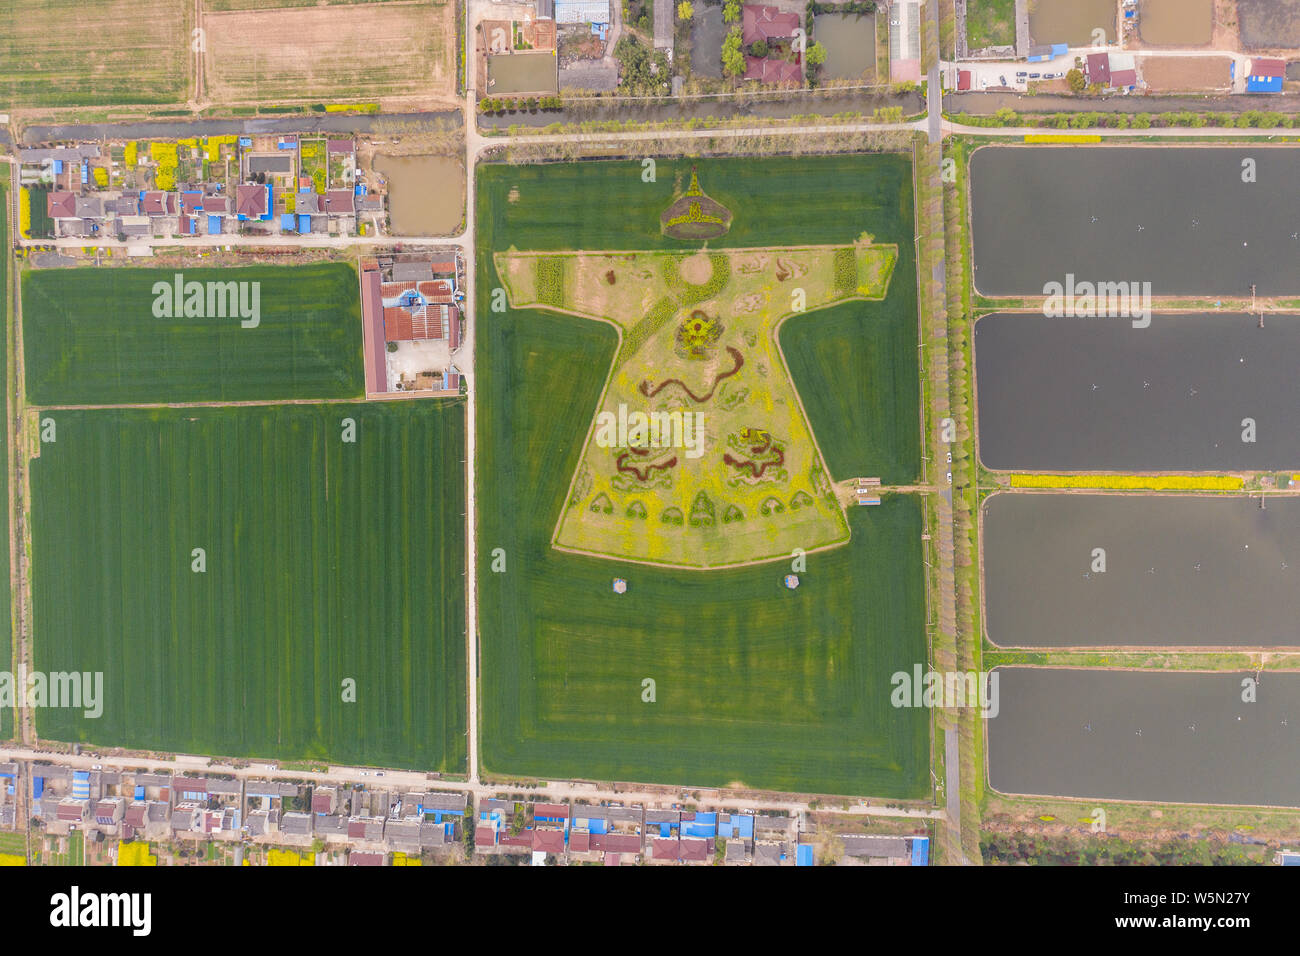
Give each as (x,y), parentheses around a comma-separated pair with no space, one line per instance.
(1146,735)
(1177,22)
(1071,394)
(1181,218)
(1079,570)
(850,42)
(1071,21)
(532,72)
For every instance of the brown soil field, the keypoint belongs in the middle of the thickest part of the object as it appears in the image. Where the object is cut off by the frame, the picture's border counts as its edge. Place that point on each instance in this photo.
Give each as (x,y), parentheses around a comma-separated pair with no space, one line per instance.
(339,53)
(1269,24)
(64,53)
(1165,74)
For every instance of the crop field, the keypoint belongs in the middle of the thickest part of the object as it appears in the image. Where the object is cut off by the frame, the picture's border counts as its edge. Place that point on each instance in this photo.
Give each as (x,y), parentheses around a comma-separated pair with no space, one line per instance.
(751,682)
(330,51)
(71,53)
(6,605)
(869,422)
(322,561)
(725,470)
(91,337)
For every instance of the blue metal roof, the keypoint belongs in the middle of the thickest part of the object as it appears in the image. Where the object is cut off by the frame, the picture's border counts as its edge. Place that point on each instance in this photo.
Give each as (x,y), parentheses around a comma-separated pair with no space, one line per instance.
(921,851)
(804,855)
(1263,84)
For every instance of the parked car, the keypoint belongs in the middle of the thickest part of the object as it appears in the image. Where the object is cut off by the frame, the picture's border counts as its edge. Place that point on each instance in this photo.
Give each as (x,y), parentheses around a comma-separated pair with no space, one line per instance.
(950,458)
(950,477)
(1003,79)
(1035,76)
(1021,76)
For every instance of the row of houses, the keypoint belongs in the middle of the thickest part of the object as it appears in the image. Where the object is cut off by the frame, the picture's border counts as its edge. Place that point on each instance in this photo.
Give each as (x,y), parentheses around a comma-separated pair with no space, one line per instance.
(190,211)
(617,835)
(221,185)
(163,807)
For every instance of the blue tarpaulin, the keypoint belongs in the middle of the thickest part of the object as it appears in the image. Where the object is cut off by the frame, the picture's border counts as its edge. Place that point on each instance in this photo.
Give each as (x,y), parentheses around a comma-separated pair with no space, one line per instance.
(214,225)
(58,167)
(38,787)
(804,855)
(287,222)
(304,222)
(139,793)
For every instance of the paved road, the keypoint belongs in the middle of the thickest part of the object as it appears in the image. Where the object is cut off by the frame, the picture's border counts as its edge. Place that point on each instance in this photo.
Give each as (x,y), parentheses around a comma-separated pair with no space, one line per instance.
(187,763)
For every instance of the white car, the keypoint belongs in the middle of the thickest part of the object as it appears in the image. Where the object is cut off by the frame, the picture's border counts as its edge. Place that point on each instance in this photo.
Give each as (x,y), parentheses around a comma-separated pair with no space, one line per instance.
(950,477)
(950,458)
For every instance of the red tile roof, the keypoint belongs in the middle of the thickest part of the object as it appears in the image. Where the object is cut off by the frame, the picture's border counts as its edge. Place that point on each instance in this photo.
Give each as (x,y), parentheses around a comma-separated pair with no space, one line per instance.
(372,311)
(547,840)
(759,22)
(772,71)
(963,80)
(665,849)
(250,200)
(338,201)
(616,842)
(61,205)
(693,849)
(1262,66)
(365,859)
(485,836)
(1123,78)
(579,841)
(1099,68)
(545,809)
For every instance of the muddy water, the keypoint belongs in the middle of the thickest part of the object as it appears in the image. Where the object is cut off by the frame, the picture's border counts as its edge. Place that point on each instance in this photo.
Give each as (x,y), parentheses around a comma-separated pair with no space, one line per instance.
(1081,394)
(850,43)
(1189,220)
(1179,570)
(1176,22)
(1070,21)
(1143,735)
(426,194)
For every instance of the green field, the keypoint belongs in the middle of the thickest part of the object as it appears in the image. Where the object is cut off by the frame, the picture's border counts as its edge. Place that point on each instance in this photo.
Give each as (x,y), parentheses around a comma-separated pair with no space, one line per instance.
(325,560)
(990,23)
(71,53)
(753,683)
(91,337)
(6,606)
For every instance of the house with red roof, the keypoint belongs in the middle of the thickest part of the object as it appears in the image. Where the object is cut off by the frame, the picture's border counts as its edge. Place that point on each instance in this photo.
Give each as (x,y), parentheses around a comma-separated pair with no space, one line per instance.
(761,22)
(60,204)
(773,71)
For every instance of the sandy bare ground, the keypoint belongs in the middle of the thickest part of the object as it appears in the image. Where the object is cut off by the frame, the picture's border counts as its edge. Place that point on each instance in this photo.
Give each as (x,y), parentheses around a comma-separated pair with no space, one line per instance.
(1166,74)
(342,53)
